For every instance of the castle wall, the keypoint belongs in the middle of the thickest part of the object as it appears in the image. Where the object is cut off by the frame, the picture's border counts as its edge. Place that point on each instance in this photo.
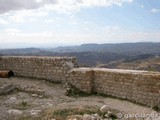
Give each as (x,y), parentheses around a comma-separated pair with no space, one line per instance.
(137,86)
(49,68)
(81,78)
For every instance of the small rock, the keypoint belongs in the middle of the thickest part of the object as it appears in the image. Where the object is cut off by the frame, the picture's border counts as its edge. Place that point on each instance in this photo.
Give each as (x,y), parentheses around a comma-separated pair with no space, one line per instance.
(7,88)
(40,96)
(106,115)
(109,113)
(47,104)
(14,112)
(40,91)
(96,117)
(104,108)
(11,100)
(53,119)
(34,95)
(87,117)
(34,112)
(107,119)
(25,87)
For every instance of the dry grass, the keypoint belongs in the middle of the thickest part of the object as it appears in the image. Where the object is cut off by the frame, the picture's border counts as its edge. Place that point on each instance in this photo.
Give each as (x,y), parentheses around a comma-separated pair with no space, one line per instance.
(61,114)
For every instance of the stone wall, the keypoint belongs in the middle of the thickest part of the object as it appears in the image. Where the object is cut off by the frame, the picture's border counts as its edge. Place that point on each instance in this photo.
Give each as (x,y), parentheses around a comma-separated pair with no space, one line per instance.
(81,78)
(50,68)
(137,86)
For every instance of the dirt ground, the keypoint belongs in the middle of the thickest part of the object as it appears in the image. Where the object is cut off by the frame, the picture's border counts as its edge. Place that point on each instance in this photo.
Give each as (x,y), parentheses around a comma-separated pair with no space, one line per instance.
(39,95)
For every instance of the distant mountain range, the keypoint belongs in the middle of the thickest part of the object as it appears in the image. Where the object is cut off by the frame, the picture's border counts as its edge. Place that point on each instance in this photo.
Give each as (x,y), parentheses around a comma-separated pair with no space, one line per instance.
(135,48)
(95,54)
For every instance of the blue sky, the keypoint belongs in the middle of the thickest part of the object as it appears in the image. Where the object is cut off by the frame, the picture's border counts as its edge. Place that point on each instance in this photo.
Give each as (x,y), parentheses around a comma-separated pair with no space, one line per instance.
(49,23)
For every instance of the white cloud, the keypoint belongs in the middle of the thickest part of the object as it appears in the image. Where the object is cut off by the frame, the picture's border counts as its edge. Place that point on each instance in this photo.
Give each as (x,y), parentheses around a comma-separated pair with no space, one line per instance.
(56,5)
(109,31)
(13,5)
(11,30)
(49,20)
(72,16)
(68,6)
(47,34)
(38,1)
(24,11)
(155,10)
(3,22)
(32,20)
(86,28)
(24,15)
(74,22)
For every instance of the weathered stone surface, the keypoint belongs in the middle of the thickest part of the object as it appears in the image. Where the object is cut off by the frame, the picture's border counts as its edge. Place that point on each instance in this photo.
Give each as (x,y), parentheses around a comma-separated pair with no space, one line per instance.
(96,117)
(137,86)
(109,113)
(87,117)
(7,88)
(38,67)
(34,95)
(104,109)
(35,112)
(14,112)
(11,100)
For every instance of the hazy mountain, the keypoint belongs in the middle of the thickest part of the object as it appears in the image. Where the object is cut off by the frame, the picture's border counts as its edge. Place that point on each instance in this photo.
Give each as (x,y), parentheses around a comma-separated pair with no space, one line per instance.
(19,51)
(95,54)
(127,48)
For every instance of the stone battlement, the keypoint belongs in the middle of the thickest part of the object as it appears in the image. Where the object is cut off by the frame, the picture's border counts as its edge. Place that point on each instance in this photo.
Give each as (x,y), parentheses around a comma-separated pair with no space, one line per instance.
(137,86)
(53,69)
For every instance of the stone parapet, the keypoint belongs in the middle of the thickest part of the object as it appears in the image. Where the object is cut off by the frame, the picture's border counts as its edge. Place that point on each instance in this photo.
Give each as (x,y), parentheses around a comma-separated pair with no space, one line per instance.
(138,86)
(49,68)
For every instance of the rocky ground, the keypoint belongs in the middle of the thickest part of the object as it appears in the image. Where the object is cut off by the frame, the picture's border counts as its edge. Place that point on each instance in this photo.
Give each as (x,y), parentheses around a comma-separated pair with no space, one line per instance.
(31,99)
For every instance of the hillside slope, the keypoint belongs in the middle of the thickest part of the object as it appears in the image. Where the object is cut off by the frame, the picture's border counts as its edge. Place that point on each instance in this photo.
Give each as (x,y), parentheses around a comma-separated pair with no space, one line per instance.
(150,64)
